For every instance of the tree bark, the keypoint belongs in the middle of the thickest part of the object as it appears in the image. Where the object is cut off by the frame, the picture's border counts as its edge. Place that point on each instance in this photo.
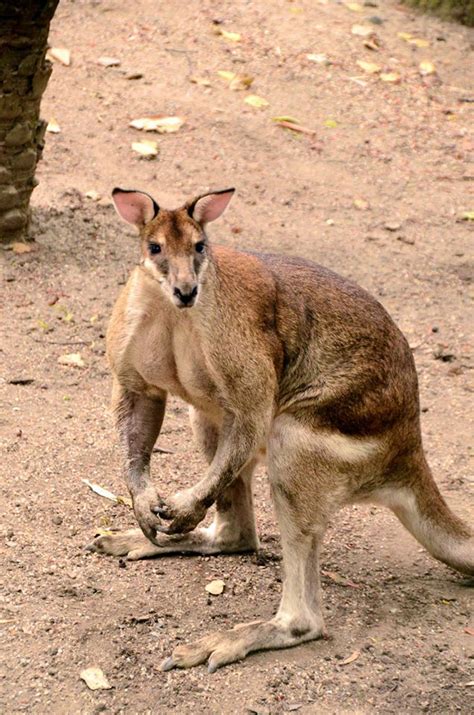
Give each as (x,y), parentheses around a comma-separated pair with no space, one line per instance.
(24,74)
(461,10)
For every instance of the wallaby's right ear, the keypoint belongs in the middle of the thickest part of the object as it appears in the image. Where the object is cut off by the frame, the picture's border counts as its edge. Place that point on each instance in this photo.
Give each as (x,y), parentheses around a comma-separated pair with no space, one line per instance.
(135,207)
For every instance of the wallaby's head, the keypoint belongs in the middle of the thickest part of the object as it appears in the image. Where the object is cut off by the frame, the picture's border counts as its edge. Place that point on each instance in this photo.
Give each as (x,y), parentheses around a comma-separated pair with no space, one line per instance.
(174,243)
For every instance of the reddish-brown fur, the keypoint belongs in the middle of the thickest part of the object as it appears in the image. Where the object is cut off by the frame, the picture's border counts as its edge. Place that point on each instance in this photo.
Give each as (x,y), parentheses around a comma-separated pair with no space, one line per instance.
(275,356)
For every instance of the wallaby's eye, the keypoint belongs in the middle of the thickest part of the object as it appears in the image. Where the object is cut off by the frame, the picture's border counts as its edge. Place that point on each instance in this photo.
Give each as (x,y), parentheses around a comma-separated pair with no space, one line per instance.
(154,248)
(200,246)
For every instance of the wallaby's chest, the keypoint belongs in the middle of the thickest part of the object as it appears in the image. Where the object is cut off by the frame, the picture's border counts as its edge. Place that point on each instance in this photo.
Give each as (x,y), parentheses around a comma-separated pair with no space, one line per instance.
(169,355)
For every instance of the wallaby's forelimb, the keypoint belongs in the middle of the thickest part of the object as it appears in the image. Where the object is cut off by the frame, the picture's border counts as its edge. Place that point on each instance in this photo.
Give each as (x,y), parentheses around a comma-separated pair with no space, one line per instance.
(139,419)
(238,442)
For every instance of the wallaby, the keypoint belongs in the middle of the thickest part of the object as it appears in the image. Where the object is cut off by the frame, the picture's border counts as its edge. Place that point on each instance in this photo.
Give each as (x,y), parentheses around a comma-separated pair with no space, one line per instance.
(277,358)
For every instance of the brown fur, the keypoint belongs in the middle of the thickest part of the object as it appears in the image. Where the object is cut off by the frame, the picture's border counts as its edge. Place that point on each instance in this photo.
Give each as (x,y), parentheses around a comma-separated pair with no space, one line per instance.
(277,356)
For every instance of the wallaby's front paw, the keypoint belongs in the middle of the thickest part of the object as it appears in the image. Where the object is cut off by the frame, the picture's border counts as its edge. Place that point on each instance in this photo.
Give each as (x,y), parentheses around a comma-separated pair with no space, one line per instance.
(183,510)
(145,505)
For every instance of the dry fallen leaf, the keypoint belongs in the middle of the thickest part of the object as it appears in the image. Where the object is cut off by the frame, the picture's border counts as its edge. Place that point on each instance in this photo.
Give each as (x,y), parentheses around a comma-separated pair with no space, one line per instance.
(71,360)
(256,101)
(108,62)
(351,658)
(59,54)
(332,574)
(158,123)
(330,123)
(232,36)
(20,248)
(361,204)
(467,216)
(426,68)
(354,6)
(418,41)
(93,196)
(102,492)
(236,81)
(146,148)
(369,67)
(201,81)
(53,127)
(295,127)
(215,587)
(95,679)
(362,30)
(319,58)
(392,77)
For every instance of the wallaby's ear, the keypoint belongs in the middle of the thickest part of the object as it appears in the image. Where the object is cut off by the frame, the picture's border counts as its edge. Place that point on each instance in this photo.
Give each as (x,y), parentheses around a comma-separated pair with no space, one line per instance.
(210,206)
(135,207)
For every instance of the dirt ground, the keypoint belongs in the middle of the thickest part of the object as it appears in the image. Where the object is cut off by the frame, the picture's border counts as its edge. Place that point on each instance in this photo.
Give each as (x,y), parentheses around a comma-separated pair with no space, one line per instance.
(376,194)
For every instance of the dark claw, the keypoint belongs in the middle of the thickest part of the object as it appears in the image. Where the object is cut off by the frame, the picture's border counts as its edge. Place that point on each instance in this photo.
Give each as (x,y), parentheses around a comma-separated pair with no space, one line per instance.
(163,512)
(163,529)
(168,664)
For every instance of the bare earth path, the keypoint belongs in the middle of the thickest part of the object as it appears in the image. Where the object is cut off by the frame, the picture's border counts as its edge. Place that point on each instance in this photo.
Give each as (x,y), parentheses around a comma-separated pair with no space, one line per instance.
(375,194)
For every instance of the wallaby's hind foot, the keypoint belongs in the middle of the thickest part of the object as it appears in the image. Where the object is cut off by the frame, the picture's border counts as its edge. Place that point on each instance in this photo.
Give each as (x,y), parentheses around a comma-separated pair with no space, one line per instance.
(219,649)
(423,511)
(133,544)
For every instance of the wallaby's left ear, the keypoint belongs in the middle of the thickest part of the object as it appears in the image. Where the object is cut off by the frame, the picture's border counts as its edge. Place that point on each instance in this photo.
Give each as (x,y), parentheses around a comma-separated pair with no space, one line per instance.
(210,206)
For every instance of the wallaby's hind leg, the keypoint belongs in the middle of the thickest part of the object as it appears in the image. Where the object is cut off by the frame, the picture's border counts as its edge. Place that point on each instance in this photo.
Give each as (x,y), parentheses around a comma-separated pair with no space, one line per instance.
(232,531)
(422,510)
(303,513)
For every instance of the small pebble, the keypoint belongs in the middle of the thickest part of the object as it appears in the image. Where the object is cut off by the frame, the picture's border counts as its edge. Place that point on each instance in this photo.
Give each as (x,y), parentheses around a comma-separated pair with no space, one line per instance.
(58,520)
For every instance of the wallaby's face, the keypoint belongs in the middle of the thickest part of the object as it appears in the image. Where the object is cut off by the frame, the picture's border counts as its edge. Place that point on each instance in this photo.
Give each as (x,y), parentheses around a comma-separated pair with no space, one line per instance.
(174,245)
(174,252)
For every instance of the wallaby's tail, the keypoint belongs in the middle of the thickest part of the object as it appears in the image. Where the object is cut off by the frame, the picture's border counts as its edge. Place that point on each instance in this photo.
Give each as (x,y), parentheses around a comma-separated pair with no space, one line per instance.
(423,511)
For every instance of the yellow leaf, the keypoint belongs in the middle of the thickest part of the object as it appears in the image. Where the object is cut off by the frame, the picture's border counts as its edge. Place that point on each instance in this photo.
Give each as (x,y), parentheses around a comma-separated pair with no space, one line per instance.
(361,204)
(404,36)
(229,76)
(392,77)
(419,42)
(95,679)
(71,360)
(201,81)
(369,67)
(59,54)
(158,123)
(330,123)
(354,6)
(468,216)
(53,127)
(256,101)
(215,587)
(232,36)
(296,10)
(285,118)
(426,68)
(146,148)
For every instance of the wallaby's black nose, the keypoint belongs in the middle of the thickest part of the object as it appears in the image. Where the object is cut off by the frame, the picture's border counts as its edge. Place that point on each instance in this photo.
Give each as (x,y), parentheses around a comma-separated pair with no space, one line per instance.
(186,298)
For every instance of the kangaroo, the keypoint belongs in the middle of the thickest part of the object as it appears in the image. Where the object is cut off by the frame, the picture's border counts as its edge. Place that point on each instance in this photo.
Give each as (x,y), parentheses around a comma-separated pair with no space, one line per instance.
(278,358)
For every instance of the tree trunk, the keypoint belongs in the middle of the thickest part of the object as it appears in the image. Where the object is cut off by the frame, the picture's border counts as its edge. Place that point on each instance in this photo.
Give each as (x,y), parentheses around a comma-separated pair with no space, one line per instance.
(24,74)
(461,10)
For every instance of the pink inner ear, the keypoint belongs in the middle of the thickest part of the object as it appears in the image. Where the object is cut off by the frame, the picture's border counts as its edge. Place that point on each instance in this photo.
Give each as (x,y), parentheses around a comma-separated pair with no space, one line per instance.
(134,207)
(211,207)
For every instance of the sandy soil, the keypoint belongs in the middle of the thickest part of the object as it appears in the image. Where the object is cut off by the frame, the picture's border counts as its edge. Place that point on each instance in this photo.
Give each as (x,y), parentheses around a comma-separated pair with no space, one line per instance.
(375,194)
